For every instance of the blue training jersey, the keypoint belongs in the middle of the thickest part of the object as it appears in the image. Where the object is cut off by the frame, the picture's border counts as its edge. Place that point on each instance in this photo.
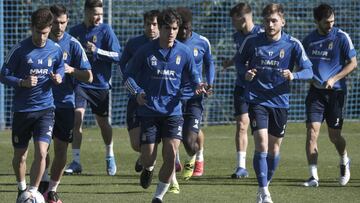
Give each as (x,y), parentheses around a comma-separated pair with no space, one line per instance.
(25,59)
(130,49)
(329,54)
(159,73)
(270,58)
(75,56)
(238,38)
(107,52)
(201,50)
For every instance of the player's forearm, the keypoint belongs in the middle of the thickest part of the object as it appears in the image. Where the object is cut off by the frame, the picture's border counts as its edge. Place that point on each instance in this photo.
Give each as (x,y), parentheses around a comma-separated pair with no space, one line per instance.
(10,80)
(110,56)
(132,87)
(348,68)
(83,75)
(304,74)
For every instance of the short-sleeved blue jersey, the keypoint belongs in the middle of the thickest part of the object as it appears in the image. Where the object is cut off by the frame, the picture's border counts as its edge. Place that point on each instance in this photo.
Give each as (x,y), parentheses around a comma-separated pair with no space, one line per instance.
(160,73)
(329,54)
(107,52)
(270,58)
(25,59)
(238,38)
(130,49)
(201,50)
(75,56)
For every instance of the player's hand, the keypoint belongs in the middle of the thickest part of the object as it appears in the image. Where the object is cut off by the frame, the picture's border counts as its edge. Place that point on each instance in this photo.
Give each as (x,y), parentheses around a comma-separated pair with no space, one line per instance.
(140,98)
(56,78)
(287,74)
(227,63)
(90,47)
(30,81)
(68,69)
(209,90)
(250,74)
(330,83)
(200,89)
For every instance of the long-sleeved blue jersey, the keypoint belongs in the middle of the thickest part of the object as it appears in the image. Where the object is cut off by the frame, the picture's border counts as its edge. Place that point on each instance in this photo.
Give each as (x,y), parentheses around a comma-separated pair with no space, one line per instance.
(107,52)
(201,50)
(160,73)
(329,54)
(25,59)
(270,58)
(238,38)
(130,49)
(75,56)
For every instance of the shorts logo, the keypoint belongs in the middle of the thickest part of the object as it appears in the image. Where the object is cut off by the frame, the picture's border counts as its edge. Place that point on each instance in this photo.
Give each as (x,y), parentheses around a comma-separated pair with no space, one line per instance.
(283,131)
(49,133)
(153,61)
(178,59)
(337,123)
(196,126)
(253,123)
(282,53)
(179,131)
(16,139)
(196,52)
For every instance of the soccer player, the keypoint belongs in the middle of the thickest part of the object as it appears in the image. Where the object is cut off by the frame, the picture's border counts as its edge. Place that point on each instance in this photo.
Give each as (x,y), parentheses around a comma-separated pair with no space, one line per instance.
(154,76)
(103,49)
(151,32)
(331,51)
(32,67)
(242,20)
(77,67)
(271,57)
(192,108)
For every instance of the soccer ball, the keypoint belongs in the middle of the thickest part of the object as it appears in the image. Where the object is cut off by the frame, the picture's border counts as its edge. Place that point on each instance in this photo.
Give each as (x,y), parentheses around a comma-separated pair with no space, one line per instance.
(29,197)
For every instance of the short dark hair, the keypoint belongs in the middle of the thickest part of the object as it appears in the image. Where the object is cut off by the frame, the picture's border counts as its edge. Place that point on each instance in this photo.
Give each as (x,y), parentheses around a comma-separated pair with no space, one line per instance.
(273,8)
(91,4)
(169,16)
(185,14)
(240,8)
(58,10)
(323,11)
(41,18)
(150,15)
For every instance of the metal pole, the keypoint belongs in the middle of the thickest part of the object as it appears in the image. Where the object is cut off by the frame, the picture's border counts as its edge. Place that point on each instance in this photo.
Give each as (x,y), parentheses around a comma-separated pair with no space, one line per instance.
(2,92)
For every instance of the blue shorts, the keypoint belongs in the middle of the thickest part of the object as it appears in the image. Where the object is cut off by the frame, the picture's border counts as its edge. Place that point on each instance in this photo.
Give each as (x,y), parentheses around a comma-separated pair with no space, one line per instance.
(241,106)
(64,124)
(37,124)
(155,128)
(192,110)
(273,119)
(325,104)
(132,120)
(98,99)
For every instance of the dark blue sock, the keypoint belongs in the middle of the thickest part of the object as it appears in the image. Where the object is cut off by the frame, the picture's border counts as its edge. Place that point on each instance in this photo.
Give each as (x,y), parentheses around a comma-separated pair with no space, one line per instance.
(272,162)
(260,167)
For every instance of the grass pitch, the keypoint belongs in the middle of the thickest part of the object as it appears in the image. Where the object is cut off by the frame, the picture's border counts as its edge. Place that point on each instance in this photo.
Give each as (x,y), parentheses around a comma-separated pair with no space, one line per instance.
(93,185)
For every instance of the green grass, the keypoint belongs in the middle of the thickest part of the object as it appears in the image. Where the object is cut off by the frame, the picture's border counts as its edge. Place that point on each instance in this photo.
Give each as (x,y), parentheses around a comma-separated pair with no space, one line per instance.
(215,186)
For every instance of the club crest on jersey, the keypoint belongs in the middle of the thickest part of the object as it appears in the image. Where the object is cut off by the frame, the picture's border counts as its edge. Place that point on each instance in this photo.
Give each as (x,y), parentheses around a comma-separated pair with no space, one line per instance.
(331,45)
(153,61)
(49,62)
(65,55)
(282,53)
(178,59)
(94,39)
(196,52)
